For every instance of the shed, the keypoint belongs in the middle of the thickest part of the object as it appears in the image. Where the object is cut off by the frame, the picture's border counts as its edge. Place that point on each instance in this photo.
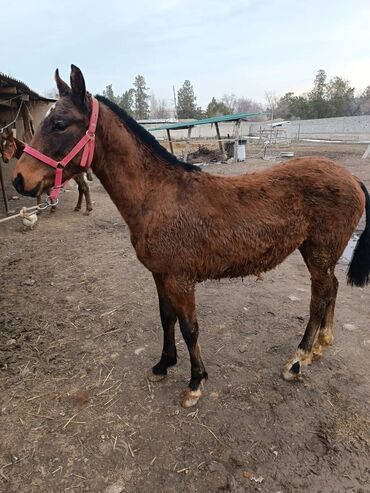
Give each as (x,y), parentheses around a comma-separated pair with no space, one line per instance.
(21,110)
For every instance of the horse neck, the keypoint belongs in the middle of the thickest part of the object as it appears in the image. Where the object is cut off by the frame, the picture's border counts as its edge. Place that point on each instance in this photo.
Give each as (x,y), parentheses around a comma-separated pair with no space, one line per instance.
(126,167)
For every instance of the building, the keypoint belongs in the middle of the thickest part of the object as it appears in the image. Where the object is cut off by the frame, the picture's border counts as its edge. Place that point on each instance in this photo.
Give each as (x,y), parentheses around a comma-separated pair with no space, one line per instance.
(21,108)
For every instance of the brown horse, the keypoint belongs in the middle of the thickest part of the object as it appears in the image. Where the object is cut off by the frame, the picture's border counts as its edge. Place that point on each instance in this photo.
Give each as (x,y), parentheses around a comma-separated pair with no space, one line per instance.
(187,226)
(11,147)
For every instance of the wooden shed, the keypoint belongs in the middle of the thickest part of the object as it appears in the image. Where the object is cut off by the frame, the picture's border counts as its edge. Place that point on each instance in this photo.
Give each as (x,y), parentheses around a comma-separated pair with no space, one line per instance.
(21,110)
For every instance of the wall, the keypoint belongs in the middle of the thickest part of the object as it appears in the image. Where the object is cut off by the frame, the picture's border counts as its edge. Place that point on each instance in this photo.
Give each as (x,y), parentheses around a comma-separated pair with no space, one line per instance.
(348,128)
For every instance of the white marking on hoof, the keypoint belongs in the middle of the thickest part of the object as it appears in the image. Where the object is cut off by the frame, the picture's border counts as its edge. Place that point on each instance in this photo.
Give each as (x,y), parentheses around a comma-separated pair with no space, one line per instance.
(326,337)
(317,350)
(292,370)
(190,397)
(153,377)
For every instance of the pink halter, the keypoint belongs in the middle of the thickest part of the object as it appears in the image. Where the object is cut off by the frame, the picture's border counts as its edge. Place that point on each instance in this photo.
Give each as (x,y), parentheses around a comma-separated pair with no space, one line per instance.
(87,143)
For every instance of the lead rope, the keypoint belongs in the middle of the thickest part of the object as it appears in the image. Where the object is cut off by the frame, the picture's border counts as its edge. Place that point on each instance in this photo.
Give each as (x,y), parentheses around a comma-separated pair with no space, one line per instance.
(30,218)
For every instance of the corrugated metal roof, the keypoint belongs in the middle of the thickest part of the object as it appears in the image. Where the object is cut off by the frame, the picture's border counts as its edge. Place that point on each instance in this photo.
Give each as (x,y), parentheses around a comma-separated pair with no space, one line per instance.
(205,121)
(22,87)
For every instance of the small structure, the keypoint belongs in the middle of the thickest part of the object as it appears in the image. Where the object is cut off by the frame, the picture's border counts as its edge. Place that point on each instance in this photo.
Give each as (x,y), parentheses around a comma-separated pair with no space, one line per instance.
(21,110)
(189,125)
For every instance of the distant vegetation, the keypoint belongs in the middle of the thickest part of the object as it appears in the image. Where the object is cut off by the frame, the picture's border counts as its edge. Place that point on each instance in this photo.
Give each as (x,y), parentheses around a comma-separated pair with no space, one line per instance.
(327,98)
(330,98)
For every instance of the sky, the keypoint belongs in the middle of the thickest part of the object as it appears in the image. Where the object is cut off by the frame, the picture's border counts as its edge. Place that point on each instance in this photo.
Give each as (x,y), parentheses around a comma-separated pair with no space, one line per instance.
(222,46)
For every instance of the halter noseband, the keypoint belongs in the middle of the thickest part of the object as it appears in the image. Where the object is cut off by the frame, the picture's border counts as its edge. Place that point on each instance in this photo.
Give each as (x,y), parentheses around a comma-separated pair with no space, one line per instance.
(87,143)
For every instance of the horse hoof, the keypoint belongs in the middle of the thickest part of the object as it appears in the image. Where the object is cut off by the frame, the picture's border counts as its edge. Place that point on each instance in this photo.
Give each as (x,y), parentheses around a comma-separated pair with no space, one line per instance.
(77,209)
(153,377)
(292,372)
(190,397)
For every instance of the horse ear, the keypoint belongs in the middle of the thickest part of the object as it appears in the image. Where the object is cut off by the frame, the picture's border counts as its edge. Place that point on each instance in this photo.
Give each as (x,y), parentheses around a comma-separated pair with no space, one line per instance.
(62,86)
(78,86)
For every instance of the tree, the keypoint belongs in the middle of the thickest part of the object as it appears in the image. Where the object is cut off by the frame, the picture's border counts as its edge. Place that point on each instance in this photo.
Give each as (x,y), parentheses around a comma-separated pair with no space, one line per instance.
(340,95)
(51,93)
(317,97)
(365,93)
(246,105)
(109,94)
(217,108)
(241,105)
(127,101)
(363,102)
(186,102)
(271,100)
(158,107)
(319,85)
(230,100)
(141,106)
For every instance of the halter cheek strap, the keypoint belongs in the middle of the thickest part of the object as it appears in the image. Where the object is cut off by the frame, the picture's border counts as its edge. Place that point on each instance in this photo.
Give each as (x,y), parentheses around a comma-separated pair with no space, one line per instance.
(86,144)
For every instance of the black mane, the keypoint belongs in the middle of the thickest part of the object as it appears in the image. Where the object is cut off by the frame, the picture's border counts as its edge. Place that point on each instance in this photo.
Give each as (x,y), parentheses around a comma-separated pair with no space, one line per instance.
(145,136)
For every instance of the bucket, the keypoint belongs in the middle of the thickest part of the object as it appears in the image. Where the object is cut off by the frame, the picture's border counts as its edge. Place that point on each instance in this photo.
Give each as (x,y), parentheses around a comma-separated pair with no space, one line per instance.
(241,150)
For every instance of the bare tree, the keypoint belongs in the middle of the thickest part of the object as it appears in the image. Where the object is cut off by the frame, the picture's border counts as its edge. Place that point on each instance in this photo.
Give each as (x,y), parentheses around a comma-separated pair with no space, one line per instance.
(158,107)
(271,100)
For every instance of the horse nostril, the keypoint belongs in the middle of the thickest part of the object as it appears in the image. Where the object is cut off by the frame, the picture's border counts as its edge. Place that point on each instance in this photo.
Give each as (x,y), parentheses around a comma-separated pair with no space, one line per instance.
(18,183)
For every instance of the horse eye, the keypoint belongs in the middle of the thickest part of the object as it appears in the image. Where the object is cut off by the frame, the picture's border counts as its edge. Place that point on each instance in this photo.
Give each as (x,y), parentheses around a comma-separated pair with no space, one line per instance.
(60,126)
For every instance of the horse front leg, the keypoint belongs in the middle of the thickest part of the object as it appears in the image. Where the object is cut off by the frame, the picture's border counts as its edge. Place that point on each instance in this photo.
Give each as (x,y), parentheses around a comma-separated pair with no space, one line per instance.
(181,293)
(168,319)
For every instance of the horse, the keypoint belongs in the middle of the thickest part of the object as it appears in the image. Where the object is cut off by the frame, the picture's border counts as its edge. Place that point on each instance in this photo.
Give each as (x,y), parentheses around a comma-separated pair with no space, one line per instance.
(11,147)
(187,226)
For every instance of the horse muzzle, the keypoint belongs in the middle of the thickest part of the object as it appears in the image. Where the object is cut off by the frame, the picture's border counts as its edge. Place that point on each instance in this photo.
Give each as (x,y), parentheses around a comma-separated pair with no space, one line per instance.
(18,184)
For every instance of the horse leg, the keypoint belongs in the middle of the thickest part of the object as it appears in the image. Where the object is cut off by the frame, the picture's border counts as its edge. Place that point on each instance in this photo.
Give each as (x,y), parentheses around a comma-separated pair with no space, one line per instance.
(322,296)
(325,335)
(80,194)
(83,190)
(181,293)
(89,174)
(88,199)
(168,319)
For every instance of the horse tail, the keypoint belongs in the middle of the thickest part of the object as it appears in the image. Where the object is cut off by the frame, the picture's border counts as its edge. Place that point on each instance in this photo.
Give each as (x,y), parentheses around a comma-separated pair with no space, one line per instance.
(359,269)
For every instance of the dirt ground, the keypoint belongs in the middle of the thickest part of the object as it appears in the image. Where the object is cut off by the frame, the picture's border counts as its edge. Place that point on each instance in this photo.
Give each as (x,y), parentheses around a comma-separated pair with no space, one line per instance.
(80,328)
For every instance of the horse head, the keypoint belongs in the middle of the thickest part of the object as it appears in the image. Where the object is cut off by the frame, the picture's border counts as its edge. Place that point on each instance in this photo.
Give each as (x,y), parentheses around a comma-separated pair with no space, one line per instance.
(63,126)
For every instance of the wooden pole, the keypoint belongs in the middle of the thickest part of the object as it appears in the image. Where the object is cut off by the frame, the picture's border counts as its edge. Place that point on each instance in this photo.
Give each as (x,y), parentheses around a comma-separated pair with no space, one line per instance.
(6,205)
(237,127)
(220,142)
(187,146)
(169,139)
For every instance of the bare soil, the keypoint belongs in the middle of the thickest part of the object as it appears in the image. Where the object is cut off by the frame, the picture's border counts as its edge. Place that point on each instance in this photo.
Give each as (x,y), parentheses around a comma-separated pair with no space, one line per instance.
(80,328)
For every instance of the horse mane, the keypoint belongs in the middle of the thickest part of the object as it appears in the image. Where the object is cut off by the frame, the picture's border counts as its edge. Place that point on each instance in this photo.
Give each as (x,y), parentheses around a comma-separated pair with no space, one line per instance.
(146,137)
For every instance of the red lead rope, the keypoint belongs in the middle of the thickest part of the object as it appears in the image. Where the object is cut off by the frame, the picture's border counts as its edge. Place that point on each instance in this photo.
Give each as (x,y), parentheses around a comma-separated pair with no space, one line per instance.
(87,143)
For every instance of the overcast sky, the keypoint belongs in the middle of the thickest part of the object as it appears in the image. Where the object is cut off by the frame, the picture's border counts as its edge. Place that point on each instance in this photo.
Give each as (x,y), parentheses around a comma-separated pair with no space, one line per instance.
(222,46)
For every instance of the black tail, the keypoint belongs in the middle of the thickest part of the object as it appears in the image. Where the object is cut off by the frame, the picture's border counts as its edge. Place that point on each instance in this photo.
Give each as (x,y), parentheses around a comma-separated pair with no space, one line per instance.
(359,269)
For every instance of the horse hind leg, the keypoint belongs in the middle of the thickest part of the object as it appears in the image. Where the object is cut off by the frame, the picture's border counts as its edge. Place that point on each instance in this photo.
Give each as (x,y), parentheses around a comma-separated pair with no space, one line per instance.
(325,336)
(320,325)
(83,191)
